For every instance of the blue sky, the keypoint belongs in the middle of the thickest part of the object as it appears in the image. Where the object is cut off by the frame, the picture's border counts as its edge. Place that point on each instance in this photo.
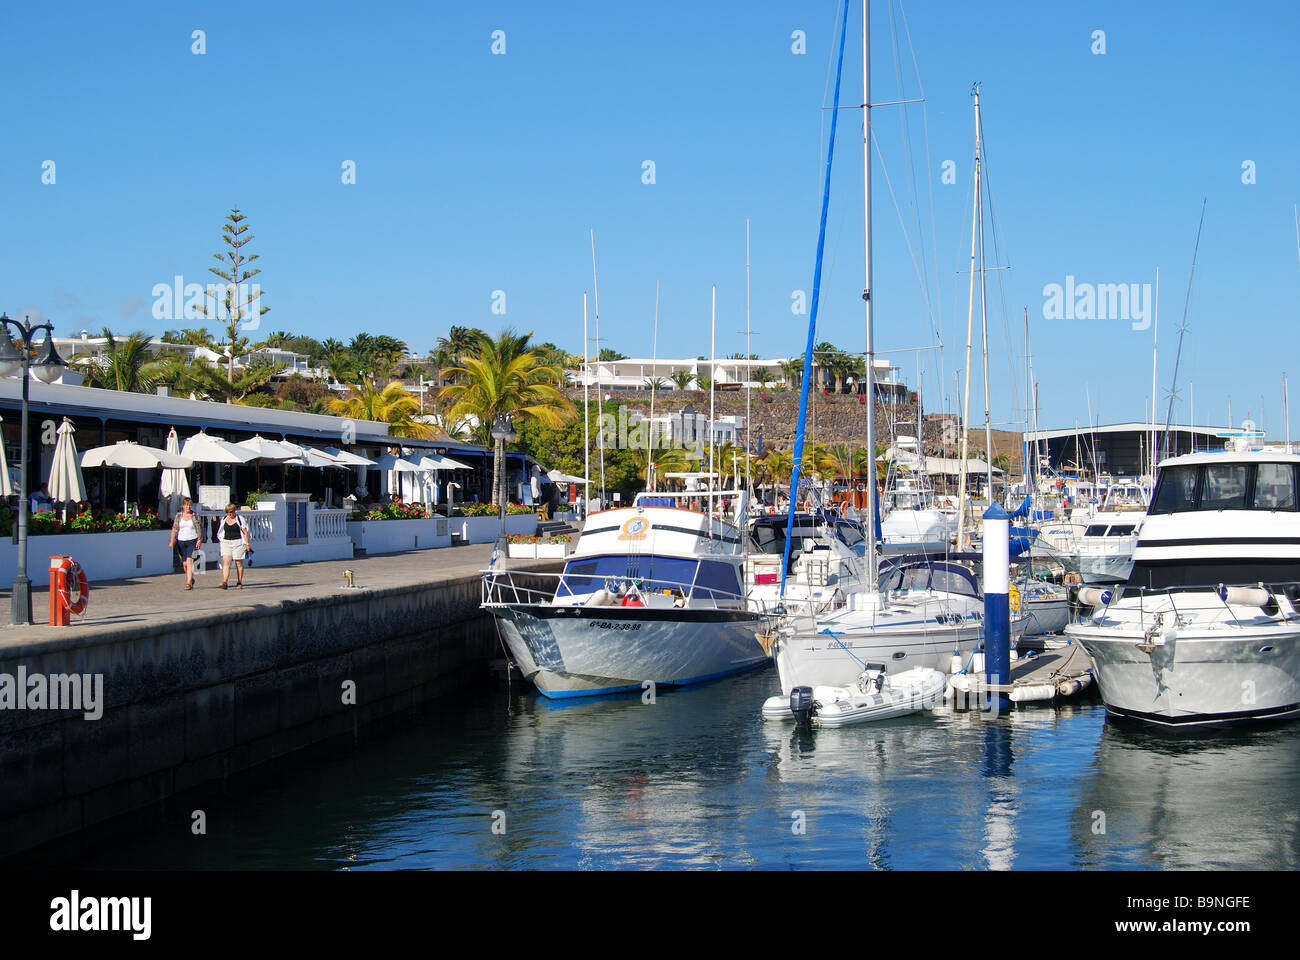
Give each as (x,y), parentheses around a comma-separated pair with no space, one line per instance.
(478,172)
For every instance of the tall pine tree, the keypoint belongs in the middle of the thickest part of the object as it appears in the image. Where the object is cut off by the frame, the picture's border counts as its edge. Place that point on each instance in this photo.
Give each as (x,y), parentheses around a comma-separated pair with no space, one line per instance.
(241,305)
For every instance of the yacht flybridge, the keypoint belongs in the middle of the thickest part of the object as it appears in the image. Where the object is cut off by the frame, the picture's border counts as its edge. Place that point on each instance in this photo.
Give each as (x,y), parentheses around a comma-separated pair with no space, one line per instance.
(654,593)
(1207,628)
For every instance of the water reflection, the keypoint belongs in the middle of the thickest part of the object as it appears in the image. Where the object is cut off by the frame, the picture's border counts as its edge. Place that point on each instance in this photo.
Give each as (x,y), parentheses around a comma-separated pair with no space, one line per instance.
(697,779)
(1191,800)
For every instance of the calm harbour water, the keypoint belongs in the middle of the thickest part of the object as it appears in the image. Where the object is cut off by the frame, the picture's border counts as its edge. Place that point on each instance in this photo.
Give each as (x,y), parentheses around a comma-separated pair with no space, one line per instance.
(698,780)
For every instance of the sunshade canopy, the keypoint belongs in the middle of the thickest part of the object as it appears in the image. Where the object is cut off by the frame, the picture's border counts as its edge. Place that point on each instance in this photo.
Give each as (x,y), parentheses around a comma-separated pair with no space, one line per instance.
(133,456)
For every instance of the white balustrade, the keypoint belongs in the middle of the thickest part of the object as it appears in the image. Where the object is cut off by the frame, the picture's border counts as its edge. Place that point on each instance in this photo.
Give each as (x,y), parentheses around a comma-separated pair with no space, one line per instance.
(329,524)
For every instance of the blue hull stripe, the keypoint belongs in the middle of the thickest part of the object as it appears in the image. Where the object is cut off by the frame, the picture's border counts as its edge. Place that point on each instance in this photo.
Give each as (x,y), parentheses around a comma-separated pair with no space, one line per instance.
(659,684)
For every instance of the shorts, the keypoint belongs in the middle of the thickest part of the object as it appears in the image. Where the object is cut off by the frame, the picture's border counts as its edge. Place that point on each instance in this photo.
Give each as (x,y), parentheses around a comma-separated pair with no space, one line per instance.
(186,548)
(234,549)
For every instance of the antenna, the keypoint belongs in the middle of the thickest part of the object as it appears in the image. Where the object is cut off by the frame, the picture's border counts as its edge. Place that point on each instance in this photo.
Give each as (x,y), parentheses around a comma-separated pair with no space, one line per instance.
(1182,328)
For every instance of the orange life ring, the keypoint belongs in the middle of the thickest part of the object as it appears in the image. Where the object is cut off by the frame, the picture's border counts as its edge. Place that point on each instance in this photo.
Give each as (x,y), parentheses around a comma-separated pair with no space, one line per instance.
(72,571)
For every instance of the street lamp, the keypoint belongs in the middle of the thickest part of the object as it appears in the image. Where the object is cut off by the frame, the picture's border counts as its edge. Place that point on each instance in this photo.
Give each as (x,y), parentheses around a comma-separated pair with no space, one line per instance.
(16,360)
(503,432)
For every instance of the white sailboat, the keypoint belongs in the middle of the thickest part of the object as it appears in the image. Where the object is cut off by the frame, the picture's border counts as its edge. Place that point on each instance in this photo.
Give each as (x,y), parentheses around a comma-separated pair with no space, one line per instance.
(927,613)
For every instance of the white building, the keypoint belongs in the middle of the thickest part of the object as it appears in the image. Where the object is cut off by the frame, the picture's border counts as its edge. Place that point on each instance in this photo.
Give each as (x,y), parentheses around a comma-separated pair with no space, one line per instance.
(634,373)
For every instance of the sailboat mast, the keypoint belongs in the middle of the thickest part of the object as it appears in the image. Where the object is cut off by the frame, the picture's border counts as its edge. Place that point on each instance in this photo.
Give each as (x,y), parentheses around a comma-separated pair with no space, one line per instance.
(872,505)
(713,386)
(600,436)
(654,388)
(586,419)
(749,369)
(984,316)
(1155,340)
(970,321)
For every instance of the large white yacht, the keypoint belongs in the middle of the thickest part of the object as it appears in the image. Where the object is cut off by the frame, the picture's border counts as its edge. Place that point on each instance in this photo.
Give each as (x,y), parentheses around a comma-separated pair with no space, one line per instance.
(654,593)
(1207,628)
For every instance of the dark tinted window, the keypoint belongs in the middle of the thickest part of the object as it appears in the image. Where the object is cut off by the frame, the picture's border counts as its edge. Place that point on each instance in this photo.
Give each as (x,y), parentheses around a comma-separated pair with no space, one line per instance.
(1275,487)
(1176,490)
(716,581)
(1224,486)
(653,573)
(1120,530)
(1095,530)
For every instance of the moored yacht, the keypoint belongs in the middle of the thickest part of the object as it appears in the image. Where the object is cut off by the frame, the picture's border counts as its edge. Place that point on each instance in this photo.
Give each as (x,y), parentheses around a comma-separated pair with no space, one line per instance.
(1207,628)
(654,593)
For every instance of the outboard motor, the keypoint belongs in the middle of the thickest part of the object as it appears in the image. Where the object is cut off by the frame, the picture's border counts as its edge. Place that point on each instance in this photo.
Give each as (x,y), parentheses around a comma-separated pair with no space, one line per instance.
(802,705)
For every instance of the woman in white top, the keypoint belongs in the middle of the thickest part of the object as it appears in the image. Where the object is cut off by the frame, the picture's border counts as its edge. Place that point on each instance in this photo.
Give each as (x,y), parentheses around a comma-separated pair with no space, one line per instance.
(236,544)
(187,536)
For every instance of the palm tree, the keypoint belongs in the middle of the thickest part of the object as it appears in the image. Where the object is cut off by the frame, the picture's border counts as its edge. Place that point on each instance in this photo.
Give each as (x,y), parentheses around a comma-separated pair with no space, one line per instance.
(793,370)
(655,383)
(779,465)
(459,342)
(682,378)
(505,378)
(127,365)
(836,461)
(392,404)
(337,360)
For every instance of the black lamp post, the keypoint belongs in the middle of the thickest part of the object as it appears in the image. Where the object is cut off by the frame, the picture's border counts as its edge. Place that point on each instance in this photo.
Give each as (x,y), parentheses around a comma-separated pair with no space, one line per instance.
(16,360)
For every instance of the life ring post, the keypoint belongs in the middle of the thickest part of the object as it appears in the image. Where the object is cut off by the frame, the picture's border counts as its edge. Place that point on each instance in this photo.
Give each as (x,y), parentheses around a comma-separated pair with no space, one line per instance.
(67,579)
(58,616)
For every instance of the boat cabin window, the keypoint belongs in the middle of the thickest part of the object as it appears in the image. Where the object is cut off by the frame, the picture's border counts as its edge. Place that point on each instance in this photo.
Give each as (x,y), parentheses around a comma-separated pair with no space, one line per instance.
(651,573)
(1095,530)
(1224,486)
(1121,530)
(944,577)
(1176,490)
(1274,487)
(717,581)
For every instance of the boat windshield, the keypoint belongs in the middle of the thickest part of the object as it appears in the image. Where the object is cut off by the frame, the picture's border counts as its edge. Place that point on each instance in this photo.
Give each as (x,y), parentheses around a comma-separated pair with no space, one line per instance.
(702,579)
(942,577)
(1226,486)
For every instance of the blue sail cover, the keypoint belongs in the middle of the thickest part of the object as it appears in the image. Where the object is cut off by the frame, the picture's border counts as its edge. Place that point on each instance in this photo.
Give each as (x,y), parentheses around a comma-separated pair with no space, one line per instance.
(1020,511)
(816,294)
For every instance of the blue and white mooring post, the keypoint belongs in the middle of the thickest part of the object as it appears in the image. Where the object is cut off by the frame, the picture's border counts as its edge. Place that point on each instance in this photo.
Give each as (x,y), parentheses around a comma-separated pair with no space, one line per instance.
(997,603)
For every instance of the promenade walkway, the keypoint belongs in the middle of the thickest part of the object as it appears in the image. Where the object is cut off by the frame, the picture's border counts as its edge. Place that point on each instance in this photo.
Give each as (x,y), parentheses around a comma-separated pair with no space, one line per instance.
(121,605)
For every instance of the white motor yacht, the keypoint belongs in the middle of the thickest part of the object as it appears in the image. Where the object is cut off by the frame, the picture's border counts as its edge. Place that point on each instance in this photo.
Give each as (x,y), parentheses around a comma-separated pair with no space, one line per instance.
(654,593)
(1207,628)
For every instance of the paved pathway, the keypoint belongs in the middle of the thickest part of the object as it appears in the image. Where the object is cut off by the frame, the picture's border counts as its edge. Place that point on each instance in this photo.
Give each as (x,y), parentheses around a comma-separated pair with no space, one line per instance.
(120,603)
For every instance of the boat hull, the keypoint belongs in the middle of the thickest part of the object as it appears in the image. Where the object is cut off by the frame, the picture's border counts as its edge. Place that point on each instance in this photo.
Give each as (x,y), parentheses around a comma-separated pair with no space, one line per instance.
(1047,616)
(1199,680)
(569,651)
(836,659)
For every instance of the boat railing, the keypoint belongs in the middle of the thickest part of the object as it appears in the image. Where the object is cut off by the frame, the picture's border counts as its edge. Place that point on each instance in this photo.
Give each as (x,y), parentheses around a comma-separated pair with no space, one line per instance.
(1276,591)
(513,587)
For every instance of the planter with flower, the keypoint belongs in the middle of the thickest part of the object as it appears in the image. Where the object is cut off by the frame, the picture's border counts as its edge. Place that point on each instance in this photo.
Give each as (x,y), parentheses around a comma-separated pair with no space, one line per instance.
(398,526)
(532,546)
(481,522)
(108,546)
